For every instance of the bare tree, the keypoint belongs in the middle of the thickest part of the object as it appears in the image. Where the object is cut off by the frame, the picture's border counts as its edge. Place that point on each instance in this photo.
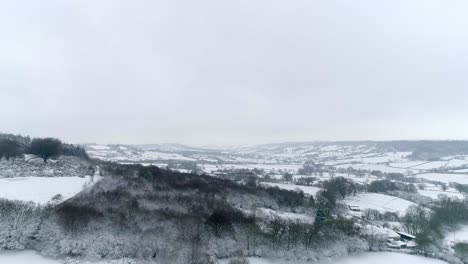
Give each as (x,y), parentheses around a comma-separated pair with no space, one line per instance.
(248,232)
(277,230)
(17,220)
(193,232)
(293,232)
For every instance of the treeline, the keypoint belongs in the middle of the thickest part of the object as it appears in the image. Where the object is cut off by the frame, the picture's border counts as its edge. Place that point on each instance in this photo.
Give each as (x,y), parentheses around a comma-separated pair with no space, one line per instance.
(13,146)
(318,169)
(384,186)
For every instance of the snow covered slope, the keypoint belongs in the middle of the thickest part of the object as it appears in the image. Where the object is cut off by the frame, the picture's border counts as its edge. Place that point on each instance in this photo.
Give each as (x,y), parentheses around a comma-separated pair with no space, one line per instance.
(291,187)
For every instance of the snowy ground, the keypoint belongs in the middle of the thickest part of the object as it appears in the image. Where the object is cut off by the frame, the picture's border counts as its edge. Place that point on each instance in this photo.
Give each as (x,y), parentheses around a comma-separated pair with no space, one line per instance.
(461,235)
(306,189)
(460,171)
(434,194)
(326,176)
(271,214)
(31,257)
(379,231)
(24,257)
(432,165)
(380,202)
(365,258)
(41,189)
(445,177)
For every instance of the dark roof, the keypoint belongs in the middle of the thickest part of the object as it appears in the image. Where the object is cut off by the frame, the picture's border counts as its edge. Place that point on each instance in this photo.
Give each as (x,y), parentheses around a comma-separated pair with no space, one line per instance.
(406,235)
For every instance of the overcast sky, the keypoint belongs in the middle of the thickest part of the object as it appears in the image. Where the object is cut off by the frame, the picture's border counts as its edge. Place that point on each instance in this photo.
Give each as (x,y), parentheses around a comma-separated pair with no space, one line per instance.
(234,72)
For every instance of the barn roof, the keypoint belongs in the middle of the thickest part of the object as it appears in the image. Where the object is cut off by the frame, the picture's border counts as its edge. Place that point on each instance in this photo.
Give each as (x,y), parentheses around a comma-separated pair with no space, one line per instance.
(403,234)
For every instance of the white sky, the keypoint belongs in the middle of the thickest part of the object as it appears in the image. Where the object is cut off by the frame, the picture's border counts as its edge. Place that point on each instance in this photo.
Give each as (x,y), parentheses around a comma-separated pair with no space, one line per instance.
(232,72)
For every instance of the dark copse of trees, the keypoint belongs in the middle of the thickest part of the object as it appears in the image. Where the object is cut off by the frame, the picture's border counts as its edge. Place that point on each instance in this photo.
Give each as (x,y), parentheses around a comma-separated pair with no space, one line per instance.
(286,197)
(12,146)
(372,214)
(326,200)
(217,220)
(341,187)
(311,167)
(462,188)
(287,177)
(74,150)
(382,186)
(22,141)
(9,149)
(221,220)
(76,217)
(461,251)
(307,181)
(46,148)
(240,174)
(385,186)
(399,177)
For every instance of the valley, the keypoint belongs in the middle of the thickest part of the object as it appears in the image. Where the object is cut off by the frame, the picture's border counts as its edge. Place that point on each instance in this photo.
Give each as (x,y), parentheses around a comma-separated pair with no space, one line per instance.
(303,201)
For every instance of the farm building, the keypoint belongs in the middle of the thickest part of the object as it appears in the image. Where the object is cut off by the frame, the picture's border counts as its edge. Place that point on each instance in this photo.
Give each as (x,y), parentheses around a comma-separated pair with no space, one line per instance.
(406,241)
(354,208)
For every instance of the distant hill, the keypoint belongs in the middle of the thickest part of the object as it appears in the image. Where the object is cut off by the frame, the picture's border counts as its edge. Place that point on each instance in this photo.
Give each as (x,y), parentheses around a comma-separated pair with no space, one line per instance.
(292,152)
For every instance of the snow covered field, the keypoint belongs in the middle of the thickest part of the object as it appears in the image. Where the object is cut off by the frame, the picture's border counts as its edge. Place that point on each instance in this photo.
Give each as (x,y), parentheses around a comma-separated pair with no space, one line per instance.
(24,257)
(155,155)
(445,177)
(365,258)
(434,194)
(461,235)
(432,165)
(380,202)
(460,171)
(41,189)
